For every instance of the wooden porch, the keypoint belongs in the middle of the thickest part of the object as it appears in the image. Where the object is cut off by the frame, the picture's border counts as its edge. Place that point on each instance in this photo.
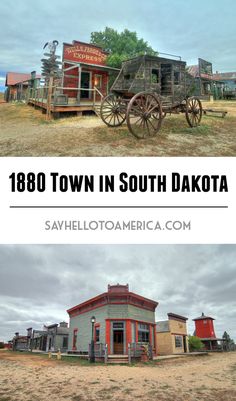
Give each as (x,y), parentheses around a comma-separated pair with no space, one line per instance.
(64,108)
(53,100)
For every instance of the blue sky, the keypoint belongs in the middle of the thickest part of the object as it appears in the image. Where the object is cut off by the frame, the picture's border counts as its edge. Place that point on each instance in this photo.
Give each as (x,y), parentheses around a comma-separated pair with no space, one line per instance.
(205,29)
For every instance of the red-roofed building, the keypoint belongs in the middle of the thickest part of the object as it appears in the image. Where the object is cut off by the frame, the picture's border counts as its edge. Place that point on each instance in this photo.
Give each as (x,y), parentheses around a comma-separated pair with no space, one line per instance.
(205,82)
(204,329)
(17,84)
(123,318)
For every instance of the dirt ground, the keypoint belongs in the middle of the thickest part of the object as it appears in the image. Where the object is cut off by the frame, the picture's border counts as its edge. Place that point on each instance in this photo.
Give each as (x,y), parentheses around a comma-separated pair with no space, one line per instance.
(195,378)
(24,132)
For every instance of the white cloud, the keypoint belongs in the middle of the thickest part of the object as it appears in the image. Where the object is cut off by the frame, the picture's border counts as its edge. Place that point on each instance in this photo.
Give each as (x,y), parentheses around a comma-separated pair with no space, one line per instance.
(194,33)
(39,283)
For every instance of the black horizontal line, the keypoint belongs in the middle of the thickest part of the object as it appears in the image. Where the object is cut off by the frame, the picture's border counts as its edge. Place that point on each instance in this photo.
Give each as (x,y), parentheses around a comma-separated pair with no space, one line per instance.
(116,207)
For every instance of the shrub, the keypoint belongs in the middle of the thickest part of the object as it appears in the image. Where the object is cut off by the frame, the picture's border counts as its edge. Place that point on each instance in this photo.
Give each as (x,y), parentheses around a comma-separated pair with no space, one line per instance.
(195,343)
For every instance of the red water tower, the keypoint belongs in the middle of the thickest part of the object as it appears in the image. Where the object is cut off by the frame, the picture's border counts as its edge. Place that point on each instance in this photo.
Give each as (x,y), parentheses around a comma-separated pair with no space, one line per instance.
(204,327)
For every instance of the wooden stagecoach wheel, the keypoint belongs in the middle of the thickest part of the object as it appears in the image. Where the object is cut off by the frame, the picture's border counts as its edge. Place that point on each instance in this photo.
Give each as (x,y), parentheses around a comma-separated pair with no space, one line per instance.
(144,115)
(193,111)
(113,111)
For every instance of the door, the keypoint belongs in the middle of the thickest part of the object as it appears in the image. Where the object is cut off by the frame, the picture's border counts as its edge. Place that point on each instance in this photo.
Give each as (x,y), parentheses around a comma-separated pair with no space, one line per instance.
(85,83)
(118,342)
(166,80)
(44,345)
(185,343)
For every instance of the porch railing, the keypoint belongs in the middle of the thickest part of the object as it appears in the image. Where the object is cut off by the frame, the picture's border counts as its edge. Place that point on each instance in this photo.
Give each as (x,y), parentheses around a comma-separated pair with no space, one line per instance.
(99,350)
(58,96)
(137,350)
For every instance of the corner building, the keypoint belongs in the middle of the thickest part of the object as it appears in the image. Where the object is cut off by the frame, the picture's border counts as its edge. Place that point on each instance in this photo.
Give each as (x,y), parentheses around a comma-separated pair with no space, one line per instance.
(122,318)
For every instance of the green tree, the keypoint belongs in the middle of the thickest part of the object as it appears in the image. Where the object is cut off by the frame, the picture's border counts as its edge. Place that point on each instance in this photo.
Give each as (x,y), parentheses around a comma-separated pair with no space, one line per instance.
(229,342)
(120,45)
(195,343)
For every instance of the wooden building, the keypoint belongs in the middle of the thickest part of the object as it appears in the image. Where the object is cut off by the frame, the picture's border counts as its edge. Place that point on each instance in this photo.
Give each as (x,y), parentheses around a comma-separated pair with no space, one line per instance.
(52,338)
(17,85)
(204,329)
(84,66)
(205,83)
(228,79)
(20,343)
(84,81)
(123,319)
(171,335)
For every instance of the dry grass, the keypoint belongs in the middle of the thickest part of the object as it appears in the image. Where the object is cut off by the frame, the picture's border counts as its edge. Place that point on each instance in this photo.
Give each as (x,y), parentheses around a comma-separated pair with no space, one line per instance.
(24,132)
(35,378)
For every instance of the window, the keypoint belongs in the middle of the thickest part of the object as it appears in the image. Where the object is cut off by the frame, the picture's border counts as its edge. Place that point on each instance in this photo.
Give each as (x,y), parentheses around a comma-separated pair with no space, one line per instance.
(75,338)
(143,333)
(127,76)
(155,76)
(98,81)
(176,77)
(118,325)
(139,75)
(97,333)
(178,342)
(65,342)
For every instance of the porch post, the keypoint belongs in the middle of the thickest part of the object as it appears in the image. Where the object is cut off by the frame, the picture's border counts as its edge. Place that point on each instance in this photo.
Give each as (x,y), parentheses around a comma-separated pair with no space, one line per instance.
(108,341)
(129,353)
(79,83)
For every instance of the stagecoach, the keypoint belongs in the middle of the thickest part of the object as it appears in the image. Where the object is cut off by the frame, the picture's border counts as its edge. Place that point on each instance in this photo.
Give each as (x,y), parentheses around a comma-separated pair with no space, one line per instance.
(146,89)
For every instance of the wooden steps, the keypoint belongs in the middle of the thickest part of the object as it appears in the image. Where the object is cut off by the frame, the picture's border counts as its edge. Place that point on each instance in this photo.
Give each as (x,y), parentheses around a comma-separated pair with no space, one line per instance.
(118,359)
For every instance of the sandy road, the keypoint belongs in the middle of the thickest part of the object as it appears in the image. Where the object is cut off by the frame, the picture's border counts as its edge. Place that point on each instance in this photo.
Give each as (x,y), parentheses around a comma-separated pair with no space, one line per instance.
(24,132)
(35,378)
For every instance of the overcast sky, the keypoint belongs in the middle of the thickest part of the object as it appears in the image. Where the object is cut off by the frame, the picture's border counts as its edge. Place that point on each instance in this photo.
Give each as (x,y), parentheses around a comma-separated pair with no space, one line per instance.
(191,29)
(39,283)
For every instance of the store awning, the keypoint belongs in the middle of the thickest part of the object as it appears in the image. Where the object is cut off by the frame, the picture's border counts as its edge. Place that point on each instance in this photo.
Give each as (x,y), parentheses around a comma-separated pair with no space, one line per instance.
(93,66)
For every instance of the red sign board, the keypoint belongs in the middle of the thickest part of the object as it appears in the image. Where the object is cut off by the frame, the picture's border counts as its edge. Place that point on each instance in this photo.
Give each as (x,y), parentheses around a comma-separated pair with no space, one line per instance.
(84,53)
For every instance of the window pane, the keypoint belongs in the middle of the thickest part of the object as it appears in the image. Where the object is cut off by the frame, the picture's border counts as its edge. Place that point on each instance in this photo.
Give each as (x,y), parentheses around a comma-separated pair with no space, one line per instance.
(143,336)
(98,81)
(65,342)
(155,76)
(178,342)
(119,325)
(97,335)
(143,326)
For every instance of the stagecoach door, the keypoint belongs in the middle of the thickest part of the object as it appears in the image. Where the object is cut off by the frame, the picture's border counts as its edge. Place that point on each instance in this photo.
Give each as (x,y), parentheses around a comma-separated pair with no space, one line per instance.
(166,79)
(85,83)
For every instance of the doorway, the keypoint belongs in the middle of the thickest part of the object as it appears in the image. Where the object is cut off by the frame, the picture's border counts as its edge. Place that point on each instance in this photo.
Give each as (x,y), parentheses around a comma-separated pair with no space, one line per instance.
(85,83)
(185,344)
(166,79)
(118,342)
